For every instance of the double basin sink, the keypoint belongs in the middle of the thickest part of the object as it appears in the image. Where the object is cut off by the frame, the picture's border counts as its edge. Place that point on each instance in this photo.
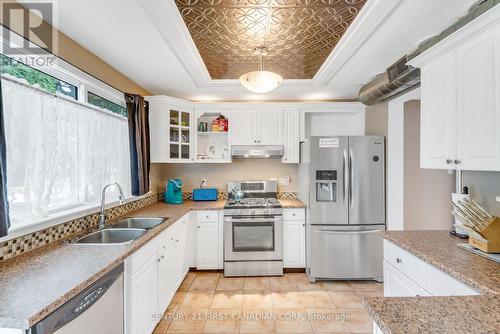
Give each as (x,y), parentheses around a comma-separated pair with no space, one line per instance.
(122,232)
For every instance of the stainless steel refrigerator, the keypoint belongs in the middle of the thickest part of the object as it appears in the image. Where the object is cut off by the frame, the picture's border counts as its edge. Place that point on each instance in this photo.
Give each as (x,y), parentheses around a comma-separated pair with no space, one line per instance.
(342,182)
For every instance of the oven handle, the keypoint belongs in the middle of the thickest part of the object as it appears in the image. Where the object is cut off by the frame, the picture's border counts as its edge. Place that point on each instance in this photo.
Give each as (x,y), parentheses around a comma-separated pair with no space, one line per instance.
(252,220)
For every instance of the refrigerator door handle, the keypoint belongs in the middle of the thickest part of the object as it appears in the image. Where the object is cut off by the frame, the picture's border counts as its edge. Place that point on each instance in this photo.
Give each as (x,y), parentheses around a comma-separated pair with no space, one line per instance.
(349,232)
(345,168)
(351,177)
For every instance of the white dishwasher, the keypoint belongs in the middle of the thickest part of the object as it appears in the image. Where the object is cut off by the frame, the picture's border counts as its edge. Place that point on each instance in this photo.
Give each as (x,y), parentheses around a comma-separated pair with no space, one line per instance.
(98,309)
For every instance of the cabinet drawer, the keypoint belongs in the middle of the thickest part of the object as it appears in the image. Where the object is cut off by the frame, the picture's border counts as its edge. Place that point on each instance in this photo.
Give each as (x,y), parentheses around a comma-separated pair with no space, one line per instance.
(294,214)
(397,284)
(207,216)
(405,262)
(441,284)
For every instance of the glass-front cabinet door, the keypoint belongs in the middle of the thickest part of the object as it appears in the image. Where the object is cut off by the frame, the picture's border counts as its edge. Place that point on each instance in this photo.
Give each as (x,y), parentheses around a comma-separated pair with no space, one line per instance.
(179,134)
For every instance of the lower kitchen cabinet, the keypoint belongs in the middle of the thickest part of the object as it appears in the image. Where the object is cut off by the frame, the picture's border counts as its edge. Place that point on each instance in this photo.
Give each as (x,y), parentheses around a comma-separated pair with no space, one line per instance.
(152,276)
(207,245)
(143,300)
(294,240)
(397,284)
(209,250)
(405,275)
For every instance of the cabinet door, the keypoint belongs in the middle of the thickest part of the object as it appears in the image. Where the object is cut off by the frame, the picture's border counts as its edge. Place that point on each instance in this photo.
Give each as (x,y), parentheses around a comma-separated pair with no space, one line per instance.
(180,135)
(180,252)
(207,245)
(242,127)
(294,244)
(167,262)
(158,132)
(144,298)
(397,284)
(438,114)
(291,137)
(478,63)
(270,127)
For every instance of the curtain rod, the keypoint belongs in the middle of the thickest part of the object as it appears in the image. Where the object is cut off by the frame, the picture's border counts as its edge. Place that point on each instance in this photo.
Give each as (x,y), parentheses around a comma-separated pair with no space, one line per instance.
(63,97)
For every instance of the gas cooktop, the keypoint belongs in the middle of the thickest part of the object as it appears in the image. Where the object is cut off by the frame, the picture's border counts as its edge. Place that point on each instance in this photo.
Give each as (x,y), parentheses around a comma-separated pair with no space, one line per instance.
(253,203)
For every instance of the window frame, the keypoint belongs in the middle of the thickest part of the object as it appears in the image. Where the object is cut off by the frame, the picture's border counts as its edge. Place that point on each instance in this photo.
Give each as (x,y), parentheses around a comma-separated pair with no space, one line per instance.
(84,82)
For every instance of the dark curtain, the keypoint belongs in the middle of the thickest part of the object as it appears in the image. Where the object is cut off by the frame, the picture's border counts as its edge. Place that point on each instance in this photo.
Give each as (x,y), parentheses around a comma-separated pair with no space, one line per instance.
(4,205)
(138,129)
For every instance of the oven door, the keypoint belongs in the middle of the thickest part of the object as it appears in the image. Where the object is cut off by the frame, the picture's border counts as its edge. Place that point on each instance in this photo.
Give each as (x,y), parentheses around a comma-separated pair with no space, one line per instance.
(253,238)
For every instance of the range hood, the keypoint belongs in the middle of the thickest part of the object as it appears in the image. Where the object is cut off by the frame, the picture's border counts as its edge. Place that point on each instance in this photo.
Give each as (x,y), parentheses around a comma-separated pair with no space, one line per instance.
(257,152)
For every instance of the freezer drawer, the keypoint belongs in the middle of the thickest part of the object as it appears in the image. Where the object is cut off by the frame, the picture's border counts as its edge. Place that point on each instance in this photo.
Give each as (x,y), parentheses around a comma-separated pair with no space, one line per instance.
(339,252)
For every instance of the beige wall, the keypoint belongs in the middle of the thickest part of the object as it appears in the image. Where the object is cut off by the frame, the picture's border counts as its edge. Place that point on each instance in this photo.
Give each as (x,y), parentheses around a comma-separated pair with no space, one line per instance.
(376,117)
(218,175)
(484,187)
(75,54)
(426,192)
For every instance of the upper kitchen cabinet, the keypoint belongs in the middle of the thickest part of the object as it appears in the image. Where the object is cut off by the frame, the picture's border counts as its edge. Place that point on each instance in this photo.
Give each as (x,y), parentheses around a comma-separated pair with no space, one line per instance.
(264,127)
(171,131)
(460,116)
(291,134)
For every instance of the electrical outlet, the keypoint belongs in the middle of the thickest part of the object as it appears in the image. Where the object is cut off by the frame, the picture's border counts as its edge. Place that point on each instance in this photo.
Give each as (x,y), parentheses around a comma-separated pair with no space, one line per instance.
(498,198)
(284,181)
(203,183)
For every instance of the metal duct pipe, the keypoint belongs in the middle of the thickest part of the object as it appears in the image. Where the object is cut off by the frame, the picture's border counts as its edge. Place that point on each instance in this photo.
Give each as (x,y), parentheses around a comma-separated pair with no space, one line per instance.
(382,88)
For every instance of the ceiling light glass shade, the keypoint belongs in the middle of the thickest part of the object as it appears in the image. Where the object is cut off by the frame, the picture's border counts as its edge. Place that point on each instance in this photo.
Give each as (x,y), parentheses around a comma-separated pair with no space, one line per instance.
(261,81)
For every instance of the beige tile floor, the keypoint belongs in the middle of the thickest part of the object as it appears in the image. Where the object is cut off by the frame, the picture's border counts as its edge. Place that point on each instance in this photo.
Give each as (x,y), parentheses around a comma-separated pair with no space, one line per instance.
(208,302)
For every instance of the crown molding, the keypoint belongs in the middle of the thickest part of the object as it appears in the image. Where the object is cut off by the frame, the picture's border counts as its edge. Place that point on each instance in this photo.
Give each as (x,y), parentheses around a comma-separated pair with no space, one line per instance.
(471,29)
(368,20)
(168,21)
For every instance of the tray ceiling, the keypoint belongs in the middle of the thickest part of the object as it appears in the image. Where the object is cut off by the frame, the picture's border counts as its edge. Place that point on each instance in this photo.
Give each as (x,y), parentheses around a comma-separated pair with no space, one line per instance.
(299,34)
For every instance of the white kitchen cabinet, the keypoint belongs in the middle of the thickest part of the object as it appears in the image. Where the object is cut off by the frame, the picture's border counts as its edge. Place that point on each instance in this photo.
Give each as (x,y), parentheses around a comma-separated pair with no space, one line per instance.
(407,275)
(144,299)
(478,107)
(397,284)
(152,276)
(263,127)
(294,240)
(460,114)
(291,129)
(207,245)
(270,127)
(243,127)
(438,135)
(171,128)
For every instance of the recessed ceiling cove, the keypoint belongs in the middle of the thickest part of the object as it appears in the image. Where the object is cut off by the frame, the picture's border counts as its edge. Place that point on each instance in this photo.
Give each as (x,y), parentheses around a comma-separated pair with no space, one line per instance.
(298,34)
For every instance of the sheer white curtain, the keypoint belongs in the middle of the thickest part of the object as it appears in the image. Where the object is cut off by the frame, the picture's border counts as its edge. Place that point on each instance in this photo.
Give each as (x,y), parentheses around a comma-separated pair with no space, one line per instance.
(59,153)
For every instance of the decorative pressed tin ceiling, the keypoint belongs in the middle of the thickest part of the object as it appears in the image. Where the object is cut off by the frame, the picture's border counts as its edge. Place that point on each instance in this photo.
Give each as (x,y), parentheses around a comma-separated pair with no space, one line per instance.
(299,34)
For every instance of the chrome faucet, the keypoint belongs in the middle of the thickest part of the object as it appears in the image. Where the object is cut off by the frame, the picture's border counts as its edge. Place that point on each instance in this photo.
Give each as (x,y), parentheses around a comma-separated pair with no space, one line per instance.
(102,216)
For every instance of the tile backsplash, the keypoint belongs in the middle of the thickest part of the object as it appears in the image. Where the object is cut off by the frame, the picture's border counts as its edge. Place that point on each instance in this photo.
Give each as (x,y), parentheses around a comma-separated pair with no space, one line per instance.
(32,241)
(23,244)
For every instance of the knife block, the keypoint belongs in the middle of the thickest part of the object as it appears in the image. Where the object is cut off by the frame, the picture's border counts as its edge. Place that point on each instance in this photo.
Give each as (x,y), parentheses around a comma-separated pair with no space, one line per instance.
(491,234)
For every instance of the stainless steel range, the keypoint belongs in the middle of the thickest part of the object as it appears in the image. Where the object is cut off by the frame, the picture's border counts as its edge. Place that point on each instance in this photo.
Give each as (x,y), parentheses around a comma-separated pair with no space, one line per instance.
(253,230)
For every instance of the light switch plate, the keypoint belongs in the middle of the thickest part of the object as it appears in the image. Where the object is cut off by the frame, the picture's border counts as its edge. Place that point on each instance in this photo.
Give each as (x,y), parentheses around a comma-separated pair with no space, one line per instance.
(498,198)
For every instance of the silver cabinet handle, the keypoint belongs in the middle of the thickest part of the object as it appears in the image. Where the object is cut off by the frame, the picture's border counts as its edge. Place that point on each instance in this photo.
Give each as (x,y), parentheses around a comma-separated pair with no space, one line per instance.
(449,161)
(398,260)
(457,162)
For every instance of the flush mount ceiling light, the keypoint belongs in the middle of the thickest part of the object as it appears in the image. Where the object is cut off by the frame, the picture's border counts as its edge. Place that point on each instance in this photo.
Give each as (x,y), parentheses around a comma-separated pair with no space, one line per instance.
(261,81)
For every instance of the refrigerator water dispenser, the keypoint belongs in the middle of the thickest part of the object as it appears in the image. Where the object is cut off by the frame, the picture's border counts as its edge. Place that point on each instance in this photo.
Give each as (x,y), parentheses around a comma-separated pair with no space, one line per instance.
(326,186)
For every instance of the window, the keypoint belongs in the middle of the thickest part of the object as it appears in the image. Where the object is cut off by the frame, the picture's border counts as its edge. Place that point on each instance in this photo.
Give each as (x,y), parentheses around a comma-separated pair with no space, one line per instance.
(99,101)
(37,78)
(61,150)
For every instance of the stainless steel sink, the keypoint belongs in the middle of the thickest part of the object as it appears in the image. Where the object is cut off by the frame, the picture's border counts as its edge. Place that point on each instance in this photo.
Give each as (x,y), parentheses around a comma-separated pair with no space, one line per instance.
(111,236)
(143,223)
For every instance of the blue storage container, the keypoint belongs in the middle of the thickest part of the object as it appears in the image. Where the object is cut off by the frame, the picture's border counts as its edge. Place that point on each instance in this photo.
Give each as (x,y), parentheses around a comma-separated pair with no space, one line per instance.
(205,194)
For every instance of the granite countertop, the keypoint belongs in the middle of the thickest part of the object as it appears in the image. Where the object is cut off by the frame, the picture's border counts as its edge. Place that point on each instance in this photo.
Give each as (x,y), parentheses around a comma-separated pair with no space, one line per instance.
(292,203)
(35,284)
(439,248)
(454,314)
